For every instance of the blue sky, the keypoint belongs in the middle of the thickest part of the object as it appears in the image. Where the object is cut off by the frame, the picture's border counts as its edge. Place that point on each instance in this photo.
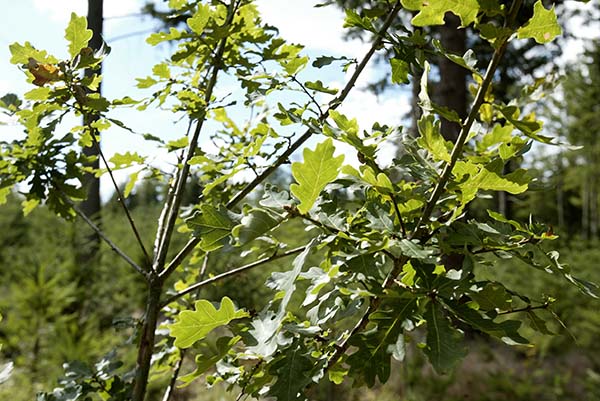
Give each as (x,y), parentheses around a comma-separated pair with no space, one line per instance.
(42,23)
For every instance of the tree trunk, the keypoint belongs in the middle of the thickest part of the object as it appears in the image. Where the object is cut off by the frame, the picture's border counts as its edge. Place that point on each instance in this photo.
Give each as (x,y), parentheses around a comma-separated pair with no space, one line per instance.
(453,78)
(452,93)
(88,245)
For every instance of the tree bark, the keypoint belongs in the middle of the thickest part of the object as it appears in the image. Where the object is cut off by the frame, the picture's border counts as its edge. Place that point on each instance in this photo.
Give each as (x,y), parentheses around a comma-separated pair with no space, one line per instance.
(453,78)
(88,245)
(452,94)
(146,344)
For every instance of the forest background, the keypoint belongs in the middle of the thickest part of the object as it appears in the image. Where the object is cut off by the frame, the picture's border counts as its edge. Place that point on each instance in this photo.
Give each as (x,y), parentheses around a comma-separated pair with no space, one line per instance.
(41,280)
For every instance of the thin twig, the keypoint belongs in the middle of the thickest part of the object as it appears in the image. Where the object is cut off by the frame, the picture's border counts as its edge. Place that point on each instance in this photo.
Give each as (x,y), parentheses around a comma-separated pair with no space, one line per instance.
(108,241)
(121,200)
(160,230)
(171,386)
(399,215)
(129,35)
(305,90)
(527,308)
(232,272)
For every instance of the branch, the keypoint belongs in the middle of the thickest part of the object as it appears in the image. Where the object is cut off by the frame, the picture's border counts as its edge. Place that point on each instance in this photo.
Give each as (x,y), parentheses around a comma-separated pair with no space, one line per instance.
(527,308)
(173,381)
(364,320)
(398,214)
(173,211)
(305,90)
(120,199)
(232,272)
(108,241)
(460,142)
(160,229)
(466,127)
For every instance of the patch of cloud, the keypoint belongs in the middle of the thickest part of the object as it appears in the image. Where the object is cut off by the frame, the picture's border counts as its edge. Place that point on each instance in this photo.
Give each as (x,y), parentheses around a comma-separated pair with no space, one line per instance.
(319,29)
(60,10)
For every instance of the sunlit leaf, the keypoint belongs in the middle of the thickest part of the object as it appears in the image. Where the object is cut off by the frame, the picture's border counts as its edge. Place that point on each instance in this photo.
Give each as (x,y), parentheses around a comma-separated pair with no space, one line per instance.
(192,326)
(317,170)
(542,27)
(77,34)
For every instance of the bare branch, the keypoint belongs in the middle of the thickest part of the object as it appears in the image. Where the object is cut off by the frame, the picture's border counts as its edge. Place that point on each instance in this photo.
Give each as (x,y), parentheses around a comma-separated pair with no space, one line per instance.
(108,241)
(232,272)
(121,200)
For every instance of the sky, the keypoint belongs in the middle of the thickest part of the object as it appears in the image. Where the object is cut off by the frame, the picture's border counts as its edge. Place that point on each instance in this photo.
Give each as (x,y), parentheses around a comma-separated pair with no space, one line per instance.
(42,23)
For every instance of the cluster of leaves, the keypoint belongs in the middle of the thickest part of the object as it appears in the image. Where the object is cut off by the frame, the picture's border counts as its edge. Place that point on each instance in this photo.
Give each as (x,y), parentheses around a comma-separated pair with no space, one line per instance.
(383,260)
(397,253)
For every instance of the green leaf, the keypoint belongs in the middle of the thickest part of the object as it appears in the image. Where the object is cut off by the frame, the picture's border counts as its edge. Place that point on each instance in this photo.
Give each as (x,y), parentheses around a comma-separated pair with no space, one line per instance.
(41,93)
(130,183)
(444,343)
(211,225)
(343,123)
(538,324)
(432,12)
(431,138)
(292,371)
(542,27)
(208,355)
(179,144)
(77,34)
(318,86)
(285,282)
(160,37)
(491,297)
(488,177)
(377,345)
(147,82)
(6,372)
(162,71)
(400,70)
(414,250)
(192,326)
(467,60)
(317,170)
(200,18)
(354,19)
(506,330)
(294,65)
(22,53)
(254,224)
(177,4)
(322,61)
(126,159)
